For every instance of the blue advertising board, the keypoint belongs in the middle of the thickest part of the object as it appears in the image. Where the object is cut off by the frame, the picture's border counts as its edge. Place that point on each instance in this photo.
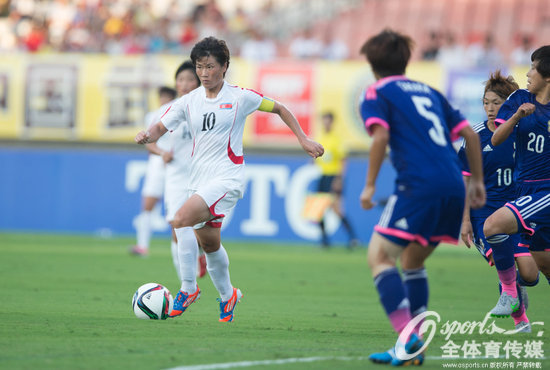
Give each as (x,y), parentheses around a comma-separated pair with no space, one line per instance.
(99,191)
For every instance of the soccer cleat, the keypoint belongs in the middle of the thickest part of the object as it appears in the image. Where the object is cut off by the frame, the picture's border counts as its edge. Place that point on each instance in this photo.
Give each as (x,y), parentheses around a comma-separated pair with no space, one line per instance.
(413,344)
(139,251)
(506,305)
(523,327)
(184,300)
(383,357)
(524,296)
(201,271)
(227,307)
(415,361)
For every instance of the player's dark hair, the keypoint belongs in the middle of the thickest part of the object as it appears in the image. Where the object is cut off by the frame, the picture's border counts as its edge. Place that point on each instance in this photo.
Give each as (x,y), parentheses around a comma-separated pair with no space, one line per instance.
(187,66)
(542,56)
(211,46)
(388,53)
(328,115)
(500,85)
(165,90)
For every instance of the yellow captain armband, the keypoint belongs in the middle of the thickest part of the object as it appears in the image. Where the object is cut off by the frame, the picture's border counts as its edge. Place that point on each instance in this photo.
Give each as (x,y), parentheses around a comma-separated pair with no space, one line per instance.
(267,105)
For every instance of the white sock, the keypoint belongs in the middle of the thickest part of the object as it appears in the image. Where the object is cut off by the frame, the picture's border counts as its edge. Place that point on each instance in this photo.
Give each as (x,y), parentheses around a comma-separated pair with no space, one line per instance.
(143,227)
(217,264)
(174,249)
(188,251)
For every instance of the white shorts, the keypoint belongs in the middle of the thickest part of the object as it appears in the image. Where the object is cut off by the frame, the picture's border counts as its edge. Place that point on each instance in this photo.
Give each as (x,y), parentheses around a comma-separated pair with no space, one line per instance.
(175,196)
(221,198)
(153,185)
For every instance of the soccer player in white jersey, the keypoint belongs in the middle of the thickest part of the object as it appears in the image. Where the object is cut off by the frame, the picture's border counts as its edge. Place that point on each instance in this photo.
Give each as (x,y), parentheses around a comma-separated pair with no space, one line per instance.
(216,113)
(153,186)
(177,176)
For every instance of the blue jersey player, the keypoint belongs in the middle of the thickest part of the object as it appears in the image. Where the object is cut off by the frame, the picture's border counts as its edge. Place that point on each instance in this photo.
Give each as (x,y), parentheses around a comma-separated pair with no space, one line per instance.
(426,208)
(498,170)
(526,114)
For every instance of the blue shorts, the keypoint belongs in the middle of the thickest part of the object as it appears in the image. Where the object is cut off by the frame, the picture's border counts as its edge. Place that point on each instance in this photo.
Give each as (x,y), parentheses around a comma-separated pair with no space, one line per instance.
(485,248)
(427,221)
(532,214)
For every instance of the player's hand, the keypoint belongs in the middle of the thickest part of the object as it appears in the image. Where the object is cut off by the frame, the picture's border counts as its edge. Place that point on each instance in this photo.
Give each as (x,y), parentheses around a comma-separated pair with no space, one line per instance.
(168,156)
(476,192)
(525,109)
(467,233)
(142,137)
(311,147)
(366,197)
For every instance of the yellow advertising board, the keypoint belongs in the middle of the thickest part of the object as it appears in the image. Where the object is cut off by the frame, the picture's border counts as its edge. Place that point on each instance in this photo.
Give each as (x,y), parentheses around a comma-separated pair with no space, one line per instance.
(101,98)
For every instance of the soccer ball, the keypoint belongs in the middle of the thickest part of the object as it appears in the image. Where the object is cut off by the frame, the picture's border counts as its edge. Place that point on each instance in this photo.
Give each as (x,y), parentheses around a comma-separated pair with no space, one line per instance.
(152,301)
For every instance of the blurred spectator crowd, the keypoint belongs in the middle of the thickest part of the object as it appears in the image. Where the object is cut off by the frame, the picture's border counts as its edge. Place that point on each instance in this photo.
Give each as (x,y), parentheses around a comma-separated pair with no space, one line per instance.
(478,50)
(142,26)
(119,27)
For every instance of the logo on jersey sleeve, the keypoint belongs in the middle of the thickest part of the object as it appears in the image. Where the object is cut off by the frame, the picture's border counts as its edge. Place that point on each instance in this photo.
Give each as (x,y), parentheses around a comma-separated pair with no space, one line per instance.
(226,106)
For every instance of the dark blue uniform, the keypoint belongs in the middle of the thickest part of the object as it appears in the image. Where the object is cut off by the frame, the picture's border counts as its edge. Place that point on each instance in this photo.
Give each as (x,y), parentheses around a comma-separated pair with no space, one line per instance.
(498,173)
(532,206)
(428,199)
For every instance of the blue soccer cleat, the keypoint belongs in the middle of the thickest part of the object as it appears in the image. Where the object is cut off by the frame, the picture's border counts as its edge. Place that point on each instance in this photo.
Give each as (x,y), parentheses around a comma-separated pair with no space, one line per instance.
(184,300)
(383,357)
(413,344)
(227,307)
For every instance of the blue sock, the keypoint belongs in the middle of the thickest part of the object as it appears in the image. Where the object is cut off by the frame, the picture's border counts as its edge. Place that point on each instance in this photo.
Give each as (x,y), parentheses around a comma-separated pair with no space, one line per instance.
(416,287)
(527,283)
(392,296)
(503,251)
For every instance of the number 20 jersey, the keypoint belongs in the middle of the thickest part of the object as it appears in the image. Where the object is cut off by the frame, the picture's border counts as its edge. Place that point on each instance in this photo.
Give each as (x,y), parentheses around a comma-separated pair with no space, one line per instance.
(532,136)
(216,126)
(422,125)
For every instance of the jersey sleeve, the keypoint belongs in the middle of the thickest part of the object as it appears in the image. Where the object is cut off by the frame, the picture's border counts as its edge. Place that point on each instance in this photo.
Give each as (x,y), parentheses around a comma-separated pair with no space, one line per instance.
(374,110)
(251,101)
(174,114)
(463,160)
(453,118)
(508,108)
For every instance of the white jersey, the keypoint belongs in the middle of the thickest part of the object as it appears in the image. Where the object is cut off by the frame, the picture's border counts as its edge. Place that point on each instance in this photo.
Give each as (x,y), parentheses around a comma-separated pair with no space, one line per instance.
(217,130)
(153,117)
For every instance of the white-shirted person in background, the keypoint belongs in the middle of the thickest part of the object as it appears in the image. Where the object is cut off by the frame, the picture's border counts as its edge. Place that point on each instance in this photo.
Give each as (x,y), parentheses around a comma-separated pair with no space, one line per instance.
(153,185)
(177,177)
(216,114)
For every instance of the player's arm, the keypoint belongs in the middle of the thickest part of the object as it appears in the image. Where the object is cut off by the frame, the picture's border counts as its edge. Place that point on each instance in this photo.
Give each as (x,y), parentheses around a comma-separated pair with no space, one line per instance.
(466,232)
(505,129)
(311,147)
(153,148)
(152,134)
(476,190)
(380,138)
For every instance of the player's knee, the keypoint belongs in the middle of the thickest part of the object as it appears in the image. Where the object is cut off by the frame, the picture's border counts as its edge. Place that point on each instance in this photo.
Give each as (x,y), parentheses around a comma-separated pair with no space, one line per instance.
(491,227)
(529,277)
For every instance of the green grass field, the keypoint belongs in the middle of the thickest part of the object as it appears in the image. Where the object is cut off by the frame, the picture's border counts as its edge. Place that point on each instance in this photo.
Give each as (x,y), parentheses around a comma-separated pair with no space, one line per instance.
(66,304)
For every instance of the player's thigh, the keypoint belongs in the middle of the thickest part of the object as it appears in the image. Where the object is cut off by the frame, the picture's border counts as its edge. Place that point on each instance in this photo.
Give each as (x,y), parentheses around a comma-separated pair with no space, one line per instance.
(194,211)
(542,258)
(527,266)
(502,221)
(414,255)
(209,238)
(382,253)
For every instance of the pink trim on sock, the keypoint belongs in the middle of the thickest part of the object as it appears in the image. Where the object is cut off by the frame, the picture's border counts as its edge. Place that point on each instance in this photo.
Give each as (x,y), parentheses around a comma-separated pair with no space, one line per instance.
(508,279)
(400,318)
(519,318)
